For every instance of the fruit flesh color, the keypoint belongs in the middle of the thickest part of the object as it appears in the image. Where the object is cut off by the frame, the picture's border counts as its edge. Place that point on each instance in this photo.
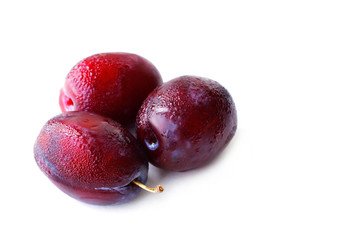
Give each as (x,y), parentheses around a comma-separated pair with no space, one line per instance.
(110,84)
(186,122)
(91,158)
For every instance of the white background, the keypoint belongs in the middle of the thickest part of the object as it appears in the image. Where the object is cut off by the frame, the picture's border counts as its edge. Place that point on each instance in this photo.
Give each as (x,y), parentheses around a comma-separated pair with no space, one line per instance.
(292,171)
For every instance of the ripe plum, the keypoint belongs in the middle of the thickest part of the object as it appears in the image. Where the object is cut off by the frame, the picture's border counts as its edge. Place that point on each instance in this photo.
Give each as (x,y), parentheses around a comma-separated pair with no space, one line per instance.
(91,158)
(186,122)
(110,84)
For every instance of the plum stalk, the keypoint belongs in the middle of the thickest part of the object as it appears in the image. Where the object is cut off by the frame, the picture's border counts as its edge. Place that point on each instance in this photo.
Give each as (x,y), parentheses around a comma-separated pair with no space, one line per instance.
(157,189)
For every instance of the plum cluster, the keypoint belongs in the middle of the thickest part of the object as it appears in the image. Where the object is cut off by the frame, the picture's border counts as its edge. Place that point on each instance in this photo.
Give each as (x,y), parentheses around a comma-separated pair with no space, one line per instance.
(88,150)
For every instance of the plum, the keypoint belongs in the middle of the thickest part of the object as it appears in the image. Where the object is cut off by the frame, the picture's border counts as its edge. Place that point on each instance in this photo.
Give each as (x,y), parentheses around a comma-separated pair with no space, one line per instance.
(110,84)
(186,122)
(91,158)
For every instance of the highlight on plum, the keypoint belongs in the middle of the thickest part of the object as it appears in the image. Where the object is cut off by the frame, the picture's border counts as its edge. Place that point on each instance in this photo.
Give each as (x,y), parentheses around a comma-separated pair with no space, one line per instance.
(90,151)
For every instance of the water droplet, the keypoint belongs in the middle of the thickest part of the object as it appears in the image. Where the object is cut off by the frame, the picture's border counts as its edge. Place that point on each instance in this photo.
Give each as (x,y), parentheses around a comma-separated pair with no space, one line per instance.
(152,143)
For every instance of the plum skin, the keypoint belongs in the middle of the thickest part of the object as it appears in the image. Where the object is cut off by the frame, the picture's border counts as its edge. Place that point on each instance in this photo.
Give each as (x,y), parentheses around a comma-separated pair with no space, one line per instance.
(110,84)
(186,122)
(91,158)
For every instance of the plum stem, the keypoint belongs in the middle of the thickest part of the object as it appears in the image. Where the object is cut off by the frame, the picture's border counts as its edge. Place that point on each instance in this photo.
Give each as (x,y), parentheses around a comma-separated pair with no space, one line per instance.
(157,189)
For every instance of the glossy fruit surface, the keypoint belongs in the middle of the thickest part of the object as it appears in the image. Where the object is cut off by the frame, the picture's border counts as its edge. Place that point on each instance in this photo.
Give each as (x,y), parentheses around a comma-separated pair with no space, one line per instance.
(110,84)
(91,158)
(186,122)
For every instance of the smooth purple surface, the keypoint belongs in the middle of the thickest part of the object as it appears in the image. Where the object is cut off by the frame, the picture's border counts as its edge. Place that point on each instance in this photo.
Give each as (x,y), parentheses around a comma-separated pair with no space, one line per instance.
(186,122)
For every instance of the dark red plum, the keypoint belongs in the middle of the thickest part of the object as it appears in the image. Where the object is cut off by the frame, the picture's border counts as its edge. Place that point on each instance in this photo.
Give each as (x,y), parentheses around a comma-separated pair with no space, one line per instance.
(110,84)
(91,158)
(186,122)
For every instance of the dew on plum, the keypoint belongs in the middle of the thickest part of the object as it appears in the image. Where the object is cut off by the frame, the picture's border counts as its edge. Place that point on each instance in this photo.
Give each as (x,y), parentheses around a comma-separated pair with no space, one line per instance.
(91,158)
(89,154)
(110,84)
(186,122)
